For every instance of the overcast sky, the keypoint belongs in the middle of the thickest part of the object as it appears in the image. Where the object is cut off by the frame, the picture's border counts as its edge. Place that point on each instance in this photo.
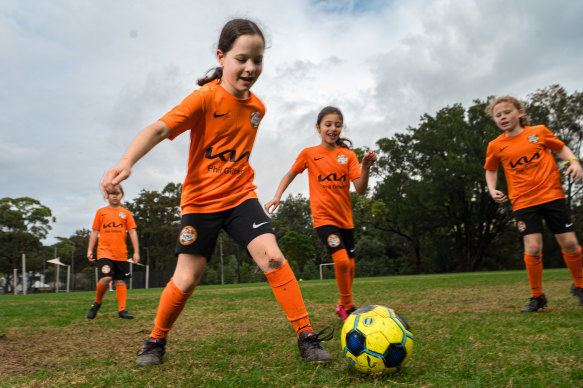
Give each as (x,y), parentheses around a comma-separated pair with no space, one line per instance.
(79,79)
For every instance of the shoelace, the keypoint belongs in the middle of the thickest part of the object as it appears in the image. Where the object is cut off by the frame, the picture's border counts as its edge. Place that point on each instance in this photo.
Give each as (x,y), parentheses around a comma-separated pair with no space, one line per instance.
(326,334)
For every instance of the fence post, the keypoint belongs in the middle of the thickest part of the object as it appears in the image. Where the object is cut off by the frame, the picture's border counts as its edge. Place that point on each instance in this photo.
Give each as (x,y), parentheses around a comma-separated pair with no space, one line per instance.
(23,274)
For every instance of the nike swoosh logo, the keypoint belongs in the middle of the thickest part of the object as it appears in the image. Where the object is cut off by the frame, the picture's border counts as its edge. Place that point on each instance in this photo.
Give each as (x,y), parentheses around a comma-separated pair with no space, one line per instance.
(568,225)
(502,149)
(255,226)
(319,158)
(352,250)
(215,115)
(128,274)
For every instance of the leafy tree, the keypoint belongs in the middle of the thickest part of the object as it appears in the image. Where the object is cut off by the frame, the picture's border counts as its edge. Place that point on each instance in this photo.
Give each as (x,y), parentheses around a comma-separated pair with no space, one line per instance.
(24,222)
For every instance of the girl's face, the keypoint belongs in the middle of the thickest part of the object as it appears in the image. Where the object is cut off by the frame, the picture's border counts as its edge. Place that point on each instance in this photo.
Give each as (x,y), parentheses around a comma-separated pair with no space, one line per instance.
(329,129)
(242,64)
(114,197)
(507,116)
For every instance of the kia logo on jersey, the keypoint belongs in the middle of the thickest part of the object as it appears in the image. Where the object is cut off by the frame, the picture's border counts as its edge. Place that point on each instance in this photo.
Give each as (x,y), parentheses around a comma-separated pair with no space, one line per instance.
(524,160)
(223,155)
(331,178)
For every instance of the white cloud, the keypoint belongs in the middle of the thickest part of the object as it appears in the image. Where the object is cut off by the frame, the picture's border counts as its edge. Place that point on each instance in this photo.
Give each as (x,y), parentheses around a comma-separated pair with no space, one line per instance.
(81,78)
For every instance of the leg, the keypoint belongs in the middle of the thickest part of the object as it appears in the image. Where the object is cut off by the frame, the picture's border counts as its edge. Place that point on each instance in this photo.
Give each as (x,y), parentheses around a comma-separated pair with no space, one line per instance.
(270,260)
(342,271)
(121,292)
(189,269)
(534,263)
(572,256)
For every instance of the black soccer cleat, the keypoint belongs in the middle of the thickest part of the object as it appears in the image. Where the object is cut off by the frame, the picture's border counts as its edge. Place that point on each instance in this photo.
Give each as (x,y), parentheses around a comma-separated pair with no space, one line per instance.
(152,352)
(93,310)
(351,310)
(577,291)
(125,314)
(534,304)
(310,345)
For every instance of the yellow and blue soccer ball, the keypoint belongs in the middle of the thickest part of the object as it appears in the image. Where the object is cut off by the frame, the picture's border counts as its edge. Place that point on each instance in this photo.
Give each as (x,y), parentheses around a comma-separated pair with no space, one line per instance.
(375,339)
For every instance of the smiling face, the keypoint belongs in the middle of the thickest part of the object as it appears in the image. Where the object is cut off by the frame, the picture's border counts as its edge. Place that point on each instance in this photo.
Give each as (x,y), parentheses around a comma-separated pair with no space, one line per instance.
(329,129)
(507,116)
(242,64)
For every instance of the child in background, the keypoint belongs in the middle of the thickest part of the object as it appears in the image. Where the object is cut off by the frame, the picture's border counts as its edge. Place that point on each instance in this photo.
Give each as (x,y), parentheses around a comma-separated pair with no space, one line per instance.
(111,225)
(535,191)
(223,117)
(332,165)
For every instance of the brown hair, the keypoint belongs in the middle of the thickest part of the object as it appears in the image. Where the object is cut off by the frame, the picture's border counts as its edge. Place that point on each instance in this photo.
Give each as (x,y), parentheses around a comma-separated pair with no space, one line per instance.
(231,31)
(509,99)
(342,142)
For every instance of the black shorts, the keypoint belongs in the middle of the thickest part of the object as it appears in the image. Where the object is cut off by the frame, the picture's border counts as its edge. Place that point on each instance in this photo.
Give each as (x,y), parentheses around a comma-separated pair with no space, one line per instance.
(118,270)
(335,239)
(199,231)
(555,213)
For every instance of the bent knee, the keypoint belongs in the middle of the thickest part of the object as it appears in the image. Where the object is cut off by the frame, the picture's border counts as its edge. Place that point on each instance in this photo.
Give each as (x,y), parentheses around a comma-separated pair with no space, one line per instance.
(275,261)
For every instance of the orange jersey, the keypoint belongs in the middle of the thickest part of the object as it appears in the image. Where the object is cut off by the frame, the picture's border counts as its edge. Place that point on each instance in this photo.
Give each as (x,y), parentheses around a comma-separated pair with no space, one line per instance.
(112,225)
(531,172)
(222,133)
(330,173)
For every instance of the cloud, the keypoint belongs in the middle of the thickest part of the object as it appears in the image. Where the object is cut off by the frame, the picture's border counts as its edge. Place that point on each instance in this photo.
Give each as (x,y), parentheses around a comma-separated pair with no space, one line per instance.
(81,79)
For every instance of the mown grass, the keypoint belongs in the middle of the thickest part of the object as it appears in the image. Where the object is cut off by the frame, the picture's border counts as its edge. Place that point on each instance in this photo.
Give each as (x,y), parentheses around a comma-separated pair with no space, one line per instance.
(467,327)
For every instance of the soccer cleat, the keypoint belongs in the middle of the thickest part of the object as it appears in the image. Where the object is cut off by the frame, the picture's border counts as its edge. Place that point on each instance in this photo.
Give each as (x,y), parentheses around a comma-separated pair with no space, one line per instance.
(152,352)
(341,313)
(577,291)
(310,345)
(351,310)
(125,314)
(534,304)
(93,310)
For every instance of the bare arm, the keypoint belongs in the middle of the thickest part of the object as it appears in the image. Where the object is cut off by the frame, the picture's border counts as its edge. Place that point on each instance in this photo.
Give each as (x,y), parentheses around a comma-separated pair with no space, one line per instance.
(92,241)
(574,168)
(361,183)
(135,245)
(285,182)
(491,180)
(140,146)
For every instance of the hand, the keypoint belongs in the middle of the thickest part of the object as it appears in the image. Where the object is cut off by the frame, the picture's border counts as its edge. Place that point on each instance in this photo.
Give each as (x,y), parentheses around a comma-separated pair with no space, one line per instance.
(136,257)
(575,171)
(499,196)
(274,202)
(113,176)
(369,159)
(90,256)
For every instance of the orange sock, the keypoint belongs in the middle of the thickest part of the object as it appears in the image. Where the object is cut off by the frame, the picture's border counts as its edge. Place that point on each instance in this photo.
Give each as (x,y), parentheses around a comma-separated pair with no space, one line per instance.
(101,290)
(534,269)
(121,292)
(287,292)
(351,272)
(575,265)
(342,271)
(172,302)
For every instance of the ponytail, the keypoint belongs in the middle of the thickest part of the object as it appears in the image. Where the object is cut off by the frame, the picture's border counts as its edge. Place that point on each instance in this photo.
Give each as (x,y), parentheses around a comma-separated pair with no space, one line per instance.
(217,73)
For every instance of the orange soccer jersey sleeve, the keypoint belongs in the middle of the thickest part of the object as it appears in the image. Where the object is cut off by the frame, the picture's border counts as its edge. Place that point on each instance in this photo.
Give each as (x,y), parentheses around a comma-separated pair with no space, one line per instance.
(329,173)
(531,172)
(222,133)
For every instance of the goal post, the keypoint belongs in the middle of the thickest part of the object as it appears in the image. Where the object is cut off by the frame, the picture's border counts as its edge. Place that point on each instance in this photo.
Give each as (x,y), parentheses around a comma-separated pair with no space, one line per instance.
(322,265)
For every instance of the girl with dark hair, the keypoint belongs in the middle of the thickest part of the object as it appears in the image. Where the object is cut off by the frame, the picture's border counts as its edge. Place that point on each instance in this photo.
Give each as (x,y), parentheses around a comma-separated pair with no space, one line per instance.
(332,165)
(223,117)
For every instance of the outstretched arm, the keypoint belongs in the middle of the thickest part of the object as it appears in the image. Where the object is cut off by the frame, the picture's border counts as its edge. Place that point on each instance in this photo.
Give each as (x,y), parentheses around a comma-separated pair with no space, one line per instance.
(491,180)
(574,168)
(140,146)
(361,183)
(285,182)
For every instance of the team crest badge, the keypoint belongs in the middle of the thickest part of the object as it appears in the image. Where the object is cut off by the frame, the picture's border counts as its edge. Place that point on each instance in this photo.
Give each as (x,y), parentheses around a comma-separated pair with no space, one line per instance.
(521,226)
(106,269)
(533,138)
(188,235)
(255,119)
(122,215)
(341,159)
(333,240)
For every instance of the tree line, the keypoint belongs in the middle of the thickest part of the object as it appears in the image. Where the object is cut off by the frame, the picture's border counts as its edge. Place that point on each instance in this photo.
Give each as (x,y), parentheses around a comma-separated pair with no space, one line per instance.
(428,211)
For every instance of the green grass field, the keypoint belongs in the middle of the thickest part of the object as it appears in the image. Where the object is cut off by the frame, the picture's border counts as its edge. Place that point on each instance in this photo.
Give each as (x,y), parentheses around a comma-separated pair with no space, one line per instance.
(467,327)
